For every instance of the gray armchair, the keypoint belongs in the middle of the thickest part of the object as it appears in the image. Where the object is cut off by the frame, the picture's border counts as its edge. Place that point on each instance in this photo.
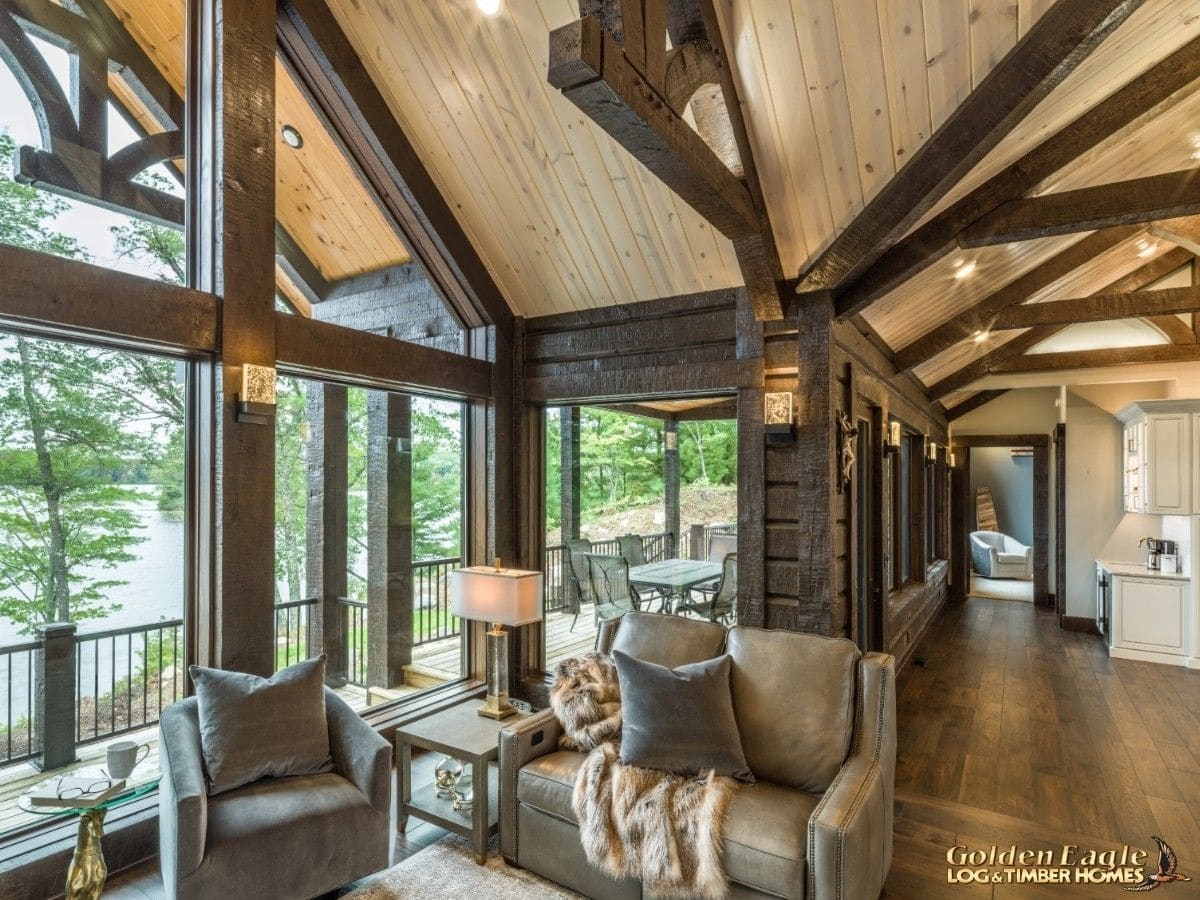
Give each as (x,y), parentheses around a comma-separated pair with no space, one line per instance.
(279,837)
(818,726)
(996,555)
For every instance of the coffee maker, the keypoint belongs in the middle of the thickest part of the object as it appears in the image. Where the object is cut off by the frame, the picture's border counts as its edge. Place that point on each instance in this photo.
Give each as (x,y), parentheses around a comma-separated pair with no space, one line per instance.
(1155,549)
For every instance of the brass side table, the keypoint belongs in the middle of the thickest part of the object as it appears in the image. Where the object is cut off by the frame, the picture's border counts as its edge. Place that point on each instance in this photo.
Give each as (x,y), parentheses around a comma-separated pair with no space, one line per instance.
(87,872)
(472,739)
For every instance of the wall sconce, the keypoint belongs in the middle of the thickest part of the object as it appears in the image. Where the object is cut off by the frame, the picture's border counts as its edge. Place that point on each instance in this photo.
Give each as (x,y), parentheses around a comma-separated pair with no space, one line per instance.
(931,452)
(671,439)
(895,436)
(256,402)
(777,414)
(952,460)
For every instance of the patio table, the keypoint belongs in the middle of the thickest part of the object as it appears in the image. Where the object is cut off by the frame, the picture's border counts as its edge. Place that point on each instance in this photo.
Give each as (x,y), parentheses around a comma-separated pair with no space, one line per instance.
(674,577)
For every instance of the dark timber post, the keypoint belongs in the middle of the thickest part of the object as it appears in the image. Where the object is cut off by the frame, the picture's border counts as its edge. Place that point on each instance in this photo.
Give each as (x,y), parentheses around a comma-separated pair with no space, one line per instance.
(54,704)
(568,491)
(671,485)
(569,481)
(697,545)
(231,239)
(326,557)
(389,538)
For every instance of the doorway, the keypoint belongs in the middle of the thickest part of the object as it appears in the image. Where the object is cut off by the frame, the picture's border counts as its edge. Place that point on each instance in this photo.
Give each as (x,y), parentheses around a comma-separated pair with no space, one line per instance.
(1020,459)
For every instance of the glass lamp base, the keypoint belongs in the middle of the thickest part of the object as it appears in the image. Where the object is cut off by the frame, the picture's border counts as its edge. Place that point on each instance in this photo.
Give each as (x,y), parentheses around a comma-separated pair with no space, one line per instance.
(497,706)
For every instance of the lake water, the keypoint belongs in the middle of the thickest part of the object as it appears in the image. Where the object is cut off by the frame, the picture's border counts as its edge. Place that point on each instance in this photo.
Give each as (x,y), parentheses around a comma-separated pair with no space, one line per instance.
(153,592)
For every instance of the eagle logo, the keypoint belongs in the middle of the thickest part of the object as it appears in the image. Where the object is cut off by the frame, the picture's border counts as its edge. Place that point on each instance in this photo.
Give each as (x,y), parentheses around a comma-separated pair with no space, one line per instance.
(1167,868)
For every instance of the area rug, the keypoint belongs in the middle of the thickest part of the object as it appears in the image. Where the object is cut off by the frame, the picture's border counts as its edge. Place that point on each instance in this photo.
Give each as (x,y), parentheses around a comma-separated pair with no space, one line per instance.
(447,868)
(1001,588)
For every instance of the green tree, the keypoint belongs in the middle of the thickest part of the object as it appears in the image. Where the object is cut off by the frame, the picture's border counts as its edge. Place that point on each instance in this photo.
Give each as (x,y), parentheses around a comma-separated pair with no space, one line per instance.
(74,421)
(291,488)
(436,479)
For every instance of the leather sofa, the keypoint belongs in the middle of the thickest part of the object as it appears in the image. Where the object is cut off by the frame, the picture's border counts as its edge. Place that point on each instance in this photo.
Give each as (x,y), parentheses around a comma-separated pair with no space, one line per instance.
(818,725)
(996,555)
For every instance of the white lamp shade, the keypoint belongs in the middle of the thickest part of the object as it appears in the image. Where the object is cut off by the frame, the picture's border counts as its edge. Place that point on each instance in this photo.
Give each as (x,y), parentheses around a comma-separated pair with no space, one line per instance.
(506,596)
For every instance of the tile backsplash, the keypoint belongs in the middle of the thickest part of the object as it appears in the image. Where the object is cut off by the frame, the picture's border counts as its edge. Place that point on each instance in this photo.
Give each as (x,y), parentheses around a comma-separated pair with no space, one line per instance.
(1179,530)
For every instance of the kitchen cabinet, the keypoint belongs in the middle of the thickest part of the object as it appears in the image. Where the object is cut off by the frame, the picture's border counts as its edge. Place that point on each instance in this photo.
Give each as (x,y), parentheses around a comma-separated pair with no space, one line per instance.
(1160,474)
(1150,618)
(1196,463)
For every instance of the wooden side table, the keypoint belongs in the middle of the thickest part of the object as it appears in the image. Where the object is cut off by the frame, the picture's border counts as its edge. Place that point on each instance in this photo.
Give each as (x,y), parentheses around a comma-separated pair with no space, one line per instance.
(472,739)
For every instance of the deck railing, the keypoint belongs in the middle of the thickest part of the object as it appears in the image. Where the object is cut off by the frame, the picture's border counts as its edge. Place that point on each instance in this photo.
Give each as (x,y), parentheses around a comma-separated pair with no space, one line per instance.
(91,687)
(124,677)
(17,671)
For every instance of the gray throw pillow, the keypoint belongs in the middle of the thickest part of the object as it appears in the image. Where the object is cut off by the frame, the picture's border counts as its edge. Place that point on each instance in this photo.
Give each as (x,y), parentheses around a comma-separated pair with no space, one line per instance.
(680,720)
(252,727)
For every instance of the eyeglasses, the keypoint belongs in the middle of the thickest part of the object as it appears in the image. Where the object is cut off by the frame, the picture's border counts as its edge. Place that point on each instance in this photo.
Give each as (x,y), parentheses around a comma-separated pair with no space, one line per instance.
(75,791)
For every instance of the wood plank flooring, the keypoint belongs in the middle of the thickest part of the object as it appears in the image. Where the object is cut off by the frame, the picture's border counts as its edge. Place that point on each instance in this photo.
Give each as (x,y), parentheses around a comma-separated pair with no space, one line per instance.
(1014,732)
(1018,732)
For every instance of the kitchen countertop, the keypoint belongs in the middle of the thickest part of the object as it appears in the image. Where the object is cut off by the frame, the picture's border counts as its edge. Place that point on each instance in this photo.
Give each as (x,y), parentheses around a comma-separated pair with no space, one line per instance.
(1137,570)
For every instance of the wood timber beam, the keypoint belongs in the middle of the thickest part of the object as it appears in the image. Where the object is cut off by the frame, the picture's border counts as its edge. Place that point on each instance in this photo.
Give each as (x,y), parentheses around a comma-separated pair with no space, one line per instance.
(986,364)
(1174,329)
(1183,233)
(1095,359)
(1147,274)
(1150,94)
(1062,38)
(592,70)
(309,346)
(72,297)
(1086,209)
(1101,308)
(983,398)
(329,68)
(979,317)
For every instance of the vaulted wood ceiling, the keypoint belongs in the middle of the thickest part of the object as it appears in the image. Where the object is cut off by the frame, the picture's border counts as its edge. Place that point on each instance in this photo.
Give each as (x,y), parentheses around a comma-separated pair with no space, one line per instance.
(837,96)
(319,199)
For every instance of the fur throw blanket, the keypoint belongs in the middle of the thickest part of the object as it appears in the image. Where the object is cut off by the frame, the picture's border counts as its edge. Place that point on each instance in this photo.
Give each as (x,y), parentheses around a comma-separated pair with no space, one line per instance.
(664,829)
(586,699)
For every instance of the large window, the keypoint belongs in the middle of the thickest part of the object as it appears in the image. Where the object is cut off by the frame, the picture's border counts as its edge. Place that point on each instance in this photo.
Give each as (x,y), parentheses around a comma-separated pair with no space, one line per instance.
(74,126)
(93,448)
(369,513)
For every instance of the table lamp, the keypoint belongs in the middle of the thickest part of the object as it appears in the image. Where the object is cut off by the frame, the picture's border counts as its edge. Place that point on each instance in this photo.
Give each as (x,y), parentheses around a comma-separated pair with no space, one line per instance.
(503,597)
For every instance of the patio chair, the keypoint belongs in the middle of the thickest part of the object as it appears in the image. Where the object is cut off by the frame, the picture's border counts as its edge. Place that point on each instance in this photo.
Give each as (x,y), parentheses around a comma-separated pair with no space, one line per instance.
(720,545)
(633,550)
(614,595)
(717,606)
(576,572)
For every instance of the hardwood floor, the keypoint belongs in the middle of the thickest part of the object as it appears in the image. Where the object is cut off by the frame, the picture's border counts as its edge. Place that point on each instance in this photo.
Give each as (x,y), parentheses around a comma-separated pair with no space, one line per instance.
(1015,732)
(1018,732)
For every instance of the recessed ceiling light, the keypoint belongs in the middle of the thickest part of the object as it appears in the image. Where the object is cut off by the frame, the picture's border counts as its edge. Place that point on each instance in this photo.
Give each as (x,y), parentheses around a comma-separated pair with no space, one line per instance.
(490,7)
(963,267)
(1146,248)
(981,336)
(292,137)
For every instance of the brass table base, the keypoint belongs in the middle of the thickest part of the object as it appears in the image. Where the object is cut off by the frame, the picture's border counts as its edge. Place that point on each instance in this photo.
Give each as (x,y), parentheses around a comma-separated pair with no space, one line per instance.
(85,877)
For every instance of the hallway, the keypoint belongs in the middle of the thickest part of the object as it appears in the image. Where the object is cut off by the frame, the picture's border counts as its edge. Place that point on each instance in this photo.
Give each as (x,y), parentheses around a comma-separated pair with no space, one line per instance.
(1018,732)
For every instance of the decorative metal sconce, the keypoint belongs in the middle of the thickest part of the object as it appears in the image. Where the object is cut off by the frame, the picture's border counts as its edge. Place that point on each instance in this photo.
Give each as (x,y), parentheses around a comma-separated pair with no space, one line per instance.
(931,452)
(256,401)
(777,414)
(895,436)
(671,439)
(951,460)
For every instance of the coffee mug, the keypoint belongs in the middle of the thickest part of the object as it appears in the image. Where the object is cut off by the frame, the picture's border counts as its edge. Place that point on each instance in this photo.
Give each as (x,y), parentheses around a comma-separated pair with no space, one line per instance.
(123,756)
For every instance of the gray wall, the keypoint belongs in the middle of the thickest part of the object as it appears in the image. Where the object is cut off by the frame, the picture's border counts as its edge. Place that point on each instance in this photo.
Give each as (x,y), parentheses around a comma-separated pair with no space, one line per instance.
(1011,480)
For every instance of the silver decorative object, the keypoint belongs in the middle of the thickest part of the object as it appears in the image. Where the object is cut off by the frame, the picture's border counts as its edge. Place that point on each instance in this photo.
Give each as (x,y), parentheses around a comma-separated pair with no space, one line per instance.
(446,775)
(464,792)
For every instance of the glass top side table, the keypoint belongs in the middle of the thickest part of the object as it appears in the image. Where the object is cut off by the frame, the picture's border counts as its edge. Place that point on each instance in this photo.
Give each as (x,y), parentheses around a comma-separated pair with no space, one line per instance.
(87,872)
(473,739)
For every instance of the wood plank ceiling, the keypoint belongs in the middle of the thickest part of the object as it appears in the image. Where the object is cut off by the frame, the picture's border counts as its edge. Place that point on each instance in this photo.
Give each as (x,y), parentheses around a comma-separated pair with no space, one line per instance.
(319,199)
(563,217)
(837,95)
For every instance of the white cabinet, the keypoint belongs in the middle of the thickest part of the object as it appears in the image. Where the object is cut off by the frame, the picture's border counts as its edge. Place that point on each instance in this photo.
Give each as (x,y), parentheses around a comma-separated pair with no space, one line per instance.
(1169,464)
(1160,475)
(1196,463)
(1150,619)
